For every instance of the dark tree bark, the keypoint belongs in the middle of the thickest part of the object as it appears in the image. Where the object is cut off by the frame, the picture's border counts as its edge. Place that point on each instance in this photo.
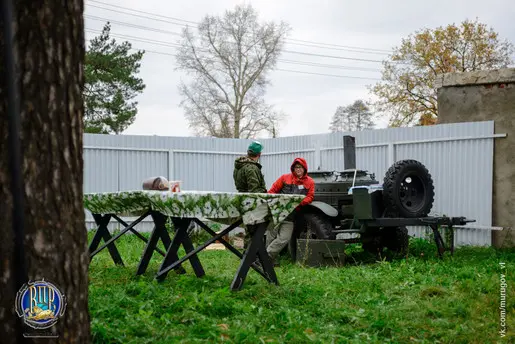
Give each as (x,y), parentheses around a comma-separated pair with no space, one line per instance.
(49,55)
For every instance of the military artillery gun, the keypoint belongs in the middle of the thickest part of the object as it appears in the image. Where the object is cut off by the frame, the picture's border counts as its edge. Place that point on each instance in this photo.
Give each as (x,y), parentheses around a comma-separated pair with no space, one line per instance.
(353,202)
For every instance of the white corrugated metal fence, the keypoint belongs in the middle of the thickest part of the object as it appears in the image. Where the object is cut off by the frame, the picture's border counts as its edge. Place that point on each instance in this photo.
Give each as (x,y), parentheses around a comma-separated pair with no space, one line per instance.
(458,156)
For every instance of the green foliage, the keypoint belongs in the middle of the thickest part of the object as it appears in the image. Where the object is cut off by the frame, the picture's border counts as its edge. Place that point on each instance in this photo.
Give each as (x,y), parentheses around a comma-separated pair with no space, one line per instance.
(110,85)
(419,299)
(408,91)
(354,117)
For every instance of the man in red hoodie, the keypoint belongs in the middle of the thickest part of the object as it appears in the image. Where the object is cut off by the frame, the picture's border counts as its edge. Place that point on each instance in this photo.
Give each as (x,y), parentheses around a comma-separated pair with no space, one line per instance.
(296,182)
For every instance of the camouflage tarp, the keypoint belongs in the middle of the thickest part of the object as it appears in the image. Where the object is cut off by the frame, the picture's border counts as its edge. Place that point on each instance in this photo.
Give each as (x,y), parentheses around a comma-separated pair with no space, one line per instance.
(222,207)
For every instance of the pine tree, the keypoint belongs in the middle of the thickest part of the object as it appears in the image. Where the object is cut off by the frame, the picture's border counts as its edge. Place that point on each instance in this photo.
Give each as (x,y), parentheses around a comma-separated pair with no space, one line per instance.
(354,117)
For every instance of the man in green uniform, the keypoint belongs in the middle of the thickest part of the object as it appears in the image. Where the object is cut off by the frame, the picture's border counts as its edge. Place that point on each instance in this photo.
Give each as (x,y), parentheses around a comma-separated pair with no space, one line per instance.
(247,170)
(248,176)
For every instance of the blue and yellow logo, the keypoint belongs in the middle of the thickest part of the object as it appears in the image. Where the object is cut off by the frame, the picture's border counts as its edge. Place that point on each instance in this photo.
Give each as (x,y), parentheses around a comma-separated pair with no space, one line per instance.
(40,303)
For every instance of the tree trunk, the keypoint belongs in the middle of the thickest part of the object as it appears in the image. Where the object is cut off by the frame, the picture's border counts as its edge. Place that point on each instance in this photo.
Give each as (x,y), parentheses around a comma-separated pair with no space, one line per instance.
(237,119)
(49,55)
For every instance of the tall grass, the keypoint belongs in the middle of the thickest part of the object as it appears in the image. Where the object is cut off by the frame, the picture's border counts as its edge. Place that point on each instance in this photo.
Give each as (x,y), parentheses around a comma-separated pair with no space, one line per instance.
(415,299)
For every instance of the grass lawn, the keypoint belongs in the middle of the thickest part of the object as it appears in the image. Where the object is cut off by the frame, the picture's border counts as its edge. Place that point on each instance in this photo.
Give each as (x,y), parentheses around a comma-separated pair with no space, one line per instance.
(415,300)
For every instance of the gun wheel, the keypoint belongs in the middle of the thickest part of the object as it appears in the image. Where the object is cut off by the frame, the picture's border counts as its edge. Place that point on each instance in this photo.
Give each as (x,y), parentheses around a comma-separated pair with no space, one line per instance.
(310,226)
(408,190)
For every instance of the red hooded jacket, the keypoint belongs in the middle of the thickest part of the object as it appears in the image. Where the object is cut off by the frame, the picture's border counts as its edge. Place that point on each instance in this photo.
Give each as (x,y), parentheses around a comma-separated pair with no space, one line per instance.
(289,183)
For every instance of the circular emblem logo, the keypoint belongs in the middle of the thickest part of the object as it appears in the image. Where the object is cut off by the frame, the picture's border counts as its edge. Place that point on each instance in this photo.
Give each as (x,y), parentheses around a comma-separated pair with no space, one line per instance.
(40,303)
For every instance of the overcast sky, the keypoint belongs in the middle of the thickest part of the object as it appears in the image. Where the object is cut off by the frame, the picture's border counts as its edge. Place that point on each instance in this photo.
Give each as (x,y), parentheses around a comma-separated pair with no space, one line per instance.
(366,24)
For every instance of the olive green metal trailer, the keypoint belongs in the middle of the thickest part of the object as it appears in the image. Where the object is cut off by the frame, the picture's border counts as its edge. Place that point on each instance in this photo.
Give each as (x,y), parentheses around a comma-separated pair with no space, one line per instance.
(353,202)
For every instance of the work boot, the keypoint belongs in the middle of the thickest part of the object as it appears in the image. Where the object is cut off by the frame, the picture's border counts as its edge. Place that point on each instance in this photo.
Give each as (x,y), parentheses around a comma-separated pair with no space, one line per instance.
(274,260)
(258,263)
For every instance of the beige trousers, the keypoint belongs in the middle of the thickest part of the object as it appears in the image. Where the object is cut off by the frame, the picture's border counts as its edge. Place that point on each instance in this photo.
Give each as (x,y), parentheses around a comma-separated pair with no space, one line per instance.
(277,238)
(255,216)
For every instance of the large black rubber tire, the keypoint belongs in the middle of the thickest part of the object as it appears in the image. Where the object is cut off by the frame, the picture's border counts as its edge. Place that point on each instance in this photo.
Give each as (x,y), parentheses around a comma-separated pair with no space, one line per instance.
(372,244)
(319,226)
(393,185)
(396,239)
(310,225)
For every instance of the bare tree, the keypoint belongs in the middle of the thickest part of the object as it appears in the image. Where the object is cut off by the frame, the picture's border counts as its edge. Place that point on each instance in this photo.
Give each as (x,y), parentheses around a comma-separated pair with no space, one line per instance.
(355,117)
(46,61)
(229,59)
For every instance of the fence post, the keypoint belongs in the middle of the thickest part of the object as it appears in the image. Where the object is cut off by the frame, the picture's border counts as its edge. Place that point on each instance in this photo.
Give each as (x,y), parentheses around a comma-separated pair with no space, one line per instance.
(318,156)
(119,177)
(391,154)
(170,164)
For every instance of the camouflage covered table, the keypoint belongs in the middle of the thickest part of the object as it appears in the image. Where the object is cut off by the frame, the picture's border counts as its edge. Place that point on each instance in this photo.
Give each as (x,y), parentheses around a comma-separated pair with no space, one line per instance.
(254,210)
